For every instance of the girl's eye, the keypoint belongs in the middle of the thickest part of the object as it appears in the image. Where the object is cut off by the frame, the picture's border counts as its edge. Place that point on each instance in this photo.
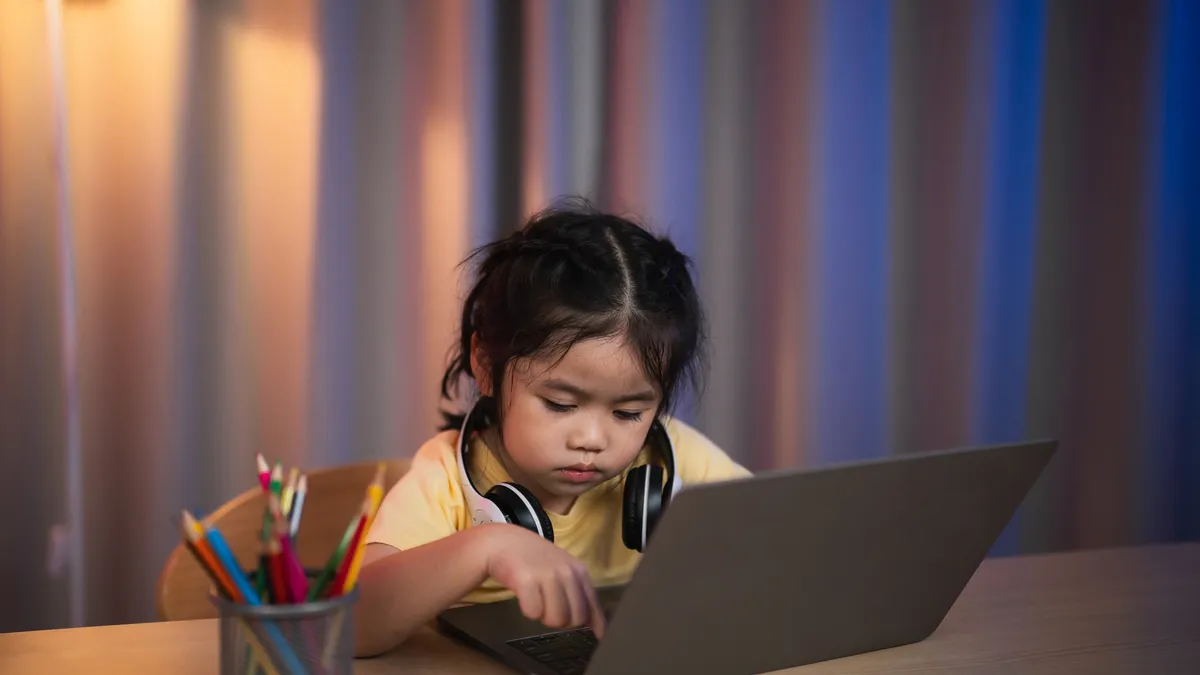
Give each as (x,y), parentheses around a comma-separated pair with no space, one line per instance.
(556,407)
(629,415)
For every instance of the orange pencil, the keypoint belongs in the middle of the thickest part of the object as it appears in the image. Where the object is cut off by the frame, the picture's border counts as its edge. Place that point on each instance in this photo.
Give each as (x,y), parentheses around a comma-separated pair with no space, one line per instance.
(200,550)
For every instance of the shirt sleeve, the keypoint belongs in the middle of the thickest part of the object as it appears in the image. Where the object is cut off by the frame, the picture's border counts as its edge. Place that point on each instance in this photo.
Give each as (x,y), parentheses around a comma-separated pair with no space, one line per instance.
(698,459)
(425,504)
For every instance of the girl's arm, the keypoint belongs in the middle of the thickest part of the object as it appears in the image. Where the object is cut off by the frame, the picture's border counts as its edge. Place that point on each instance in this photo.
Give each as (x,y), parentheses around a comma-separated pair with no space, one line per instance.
(401,590)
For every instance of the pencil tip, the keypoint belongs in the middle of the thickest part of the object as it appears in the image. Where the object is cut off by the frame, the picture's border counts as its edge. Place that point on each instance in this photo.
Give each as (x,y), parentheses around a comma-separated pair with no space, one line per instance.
(191,528)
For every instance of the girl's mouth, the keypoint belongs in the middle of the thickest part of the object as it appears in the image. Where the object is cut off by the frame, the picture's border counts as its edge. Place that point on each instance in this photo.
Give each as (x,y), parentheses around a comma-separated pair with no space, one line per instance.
(578,474)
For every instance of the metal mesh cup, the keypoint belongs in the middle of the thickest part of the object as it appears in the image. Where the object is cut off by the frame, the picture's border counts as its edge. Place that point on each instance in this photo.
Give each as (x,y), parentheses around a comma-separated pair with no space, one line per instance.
(313,638)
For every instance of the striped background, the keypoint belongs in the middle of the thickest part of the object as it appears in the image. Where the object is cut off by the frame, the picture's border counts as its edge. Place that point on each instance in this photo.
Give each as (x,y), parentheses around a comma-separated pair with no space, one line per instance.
(916,225)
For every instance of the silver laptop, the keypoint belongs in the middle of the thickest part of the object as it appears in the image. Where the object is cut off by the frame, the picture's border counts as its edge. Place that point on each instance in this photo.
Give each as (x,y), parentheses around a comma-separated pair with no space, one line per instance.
(785,568)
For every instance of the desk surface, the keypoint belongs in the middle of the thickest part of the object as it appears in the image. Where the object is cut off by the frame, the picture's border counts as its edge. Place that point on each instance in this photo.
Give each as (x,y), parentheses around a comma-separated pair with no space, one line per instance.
(1134,610)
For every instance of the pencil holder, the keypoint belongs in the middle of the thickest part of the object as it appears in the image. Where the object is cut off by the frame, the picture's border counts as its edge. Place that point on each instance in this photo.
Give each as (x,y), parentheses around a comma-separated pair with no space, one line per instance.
(312,638)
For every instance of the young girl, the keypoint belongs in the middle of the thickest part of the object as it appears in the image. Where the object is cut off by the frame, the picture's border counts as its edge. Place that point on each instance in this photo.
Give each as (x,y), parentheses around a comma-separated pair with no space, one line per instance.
(576,338)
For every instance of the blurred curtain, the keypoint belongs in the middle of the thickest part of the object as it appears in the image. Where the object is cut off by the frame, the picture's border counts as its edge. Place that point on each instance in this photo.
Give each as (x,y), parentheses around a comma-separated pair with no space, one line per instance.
(916,225)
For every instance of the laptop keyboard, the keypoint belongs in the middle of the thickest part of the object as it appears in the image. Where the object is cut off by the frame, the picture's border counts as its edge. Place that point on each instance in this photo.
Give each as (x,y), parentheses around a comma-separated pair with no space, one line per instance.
(565,652)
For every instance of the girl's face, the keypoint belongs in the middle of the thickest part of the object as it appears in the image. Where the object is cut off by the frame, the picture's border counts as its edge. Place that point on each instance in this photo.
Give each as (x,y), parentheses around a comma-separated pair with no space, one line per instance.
(571,425)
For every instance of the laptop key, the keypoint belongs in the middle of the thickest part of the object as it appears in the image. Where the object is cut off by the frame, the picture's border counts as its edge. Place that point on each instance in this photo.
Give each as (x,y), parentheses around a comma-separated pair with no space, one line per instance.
(566,652)
(550,648)
(571,667)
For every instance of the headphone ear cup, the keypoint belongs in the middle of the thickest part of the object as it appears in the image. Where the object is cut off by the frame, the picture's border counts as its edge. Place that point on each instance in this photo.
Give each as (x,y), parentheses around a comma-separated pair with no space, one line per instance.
(642,504)
(520,507)
(631,508)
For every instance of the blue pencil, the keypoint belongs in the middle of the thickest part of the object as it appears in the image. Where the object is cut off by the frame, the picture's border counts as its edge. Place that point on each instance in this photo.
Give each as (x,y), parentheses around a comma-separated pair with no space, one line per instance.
(221,550)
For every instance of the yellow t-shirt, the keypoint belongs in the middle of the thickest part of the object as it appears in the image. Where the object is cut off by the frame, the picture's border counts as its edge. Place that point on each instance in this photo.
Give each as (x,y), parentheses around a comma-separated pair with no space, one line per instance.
(428,503)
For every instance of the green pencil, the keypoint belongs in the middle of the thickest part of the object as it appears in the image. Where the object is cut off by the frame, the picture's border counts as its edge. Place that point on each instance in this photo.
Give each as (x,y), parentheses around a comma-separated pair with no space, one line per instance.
(277,479)
(335,561)
(273,488)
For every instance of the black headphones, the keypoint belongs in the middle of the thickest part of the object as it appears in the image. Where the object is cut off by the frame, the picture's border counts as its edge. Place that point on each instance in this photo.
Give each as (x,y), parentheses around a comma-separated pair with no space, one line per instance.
(645,495)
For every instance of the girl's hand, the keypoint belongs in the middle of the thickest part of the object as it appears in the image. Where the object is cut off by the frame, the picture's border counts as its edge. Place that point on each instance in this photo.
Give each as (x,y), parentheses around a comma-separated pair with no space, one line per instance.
(551,585)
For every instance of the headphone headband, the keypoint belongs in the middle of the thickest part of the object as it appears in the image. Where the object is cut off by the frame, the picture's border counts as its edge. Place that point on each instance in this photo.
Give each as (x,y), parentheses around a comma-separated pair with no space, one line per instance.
(463,441)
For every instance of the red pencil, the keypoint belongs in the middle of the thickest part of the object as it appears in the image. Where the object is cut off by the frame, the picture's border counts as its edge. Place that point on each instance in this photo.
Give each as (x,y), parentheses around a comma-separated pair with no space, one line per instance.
(339,582)
(277,574)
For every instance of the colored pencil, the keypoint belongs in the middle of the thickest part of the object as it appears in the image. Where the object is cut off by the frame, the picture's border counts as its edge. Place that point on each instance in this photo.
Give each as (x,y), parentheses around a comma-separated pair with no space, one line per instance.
(262,580)
(276,573)
(322,583)
(273,489)
(227,560)
(276,484)
(289,491)
(259,653)
(375,495)
(339,581)
(298,505)
(261,585)
(264,472)
(193,537)
(297,583)
(294,571)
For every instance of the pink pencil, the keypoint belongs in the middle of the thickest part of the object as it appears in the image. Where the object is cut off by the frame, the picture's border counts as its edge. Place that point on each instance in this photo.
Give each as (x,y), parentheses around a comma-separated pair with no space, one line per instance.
(296,581)
(264,473)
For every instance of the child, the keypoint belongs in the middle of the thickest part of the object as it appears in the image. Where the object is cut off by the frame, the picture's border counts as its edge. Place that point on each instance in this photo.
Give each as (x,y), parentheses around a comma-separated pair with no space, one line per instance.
(576,337)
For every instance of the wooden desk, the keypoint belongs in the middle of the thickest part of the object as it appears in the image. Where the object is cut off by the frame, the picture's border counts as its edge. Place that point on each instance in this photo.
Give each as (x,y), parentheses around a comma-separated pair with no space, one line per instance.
(1114,611)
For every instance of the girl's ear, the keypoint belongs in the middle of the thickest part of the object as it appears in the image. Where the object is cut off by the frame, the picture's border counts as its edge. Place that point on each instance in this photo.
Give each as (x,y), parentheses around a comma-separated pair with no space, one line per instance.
(480,367)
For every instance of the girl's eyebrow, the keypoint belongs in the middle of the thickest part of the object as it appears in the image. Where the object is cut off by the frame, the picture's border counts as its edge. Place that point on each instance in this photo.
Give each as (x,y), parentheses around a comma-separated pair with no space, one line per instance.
(644,396)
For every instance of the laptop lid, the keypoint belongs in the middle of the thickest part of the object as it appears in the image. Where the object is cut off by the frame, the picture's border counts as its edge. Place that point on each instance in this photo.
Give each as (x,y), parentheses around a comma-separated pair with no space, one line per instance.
(799,566)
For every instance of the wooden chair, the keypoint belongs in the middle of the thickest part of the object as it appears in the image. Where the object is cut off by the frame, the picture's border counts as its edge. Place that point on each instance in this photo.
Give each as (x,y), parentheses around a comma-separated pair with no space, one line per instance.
(334,496)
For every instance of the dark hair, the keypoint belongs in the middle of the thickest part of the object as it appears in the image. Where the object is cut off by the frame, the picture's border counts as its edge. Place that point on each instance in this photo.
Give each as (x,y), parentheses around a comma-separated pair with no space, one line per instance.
(574,273)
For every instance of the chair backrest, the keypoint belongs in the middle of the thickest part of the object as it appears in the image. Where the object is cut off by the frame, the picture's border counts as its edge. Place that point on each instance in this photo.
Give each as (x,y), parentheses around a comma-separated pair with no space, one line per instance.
(334,496)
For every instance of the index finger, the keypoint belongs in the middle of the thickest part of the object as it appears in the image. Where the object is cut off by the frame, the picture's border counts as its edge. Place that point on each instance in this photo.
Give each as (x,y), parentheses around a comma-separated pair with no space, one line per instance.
(596,609)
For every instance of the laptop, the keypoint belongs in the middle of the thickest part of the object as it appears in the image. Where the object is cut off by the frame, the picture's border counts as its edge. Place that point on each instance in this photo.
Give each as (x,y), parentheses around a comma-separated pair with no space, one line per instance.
(785,568)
